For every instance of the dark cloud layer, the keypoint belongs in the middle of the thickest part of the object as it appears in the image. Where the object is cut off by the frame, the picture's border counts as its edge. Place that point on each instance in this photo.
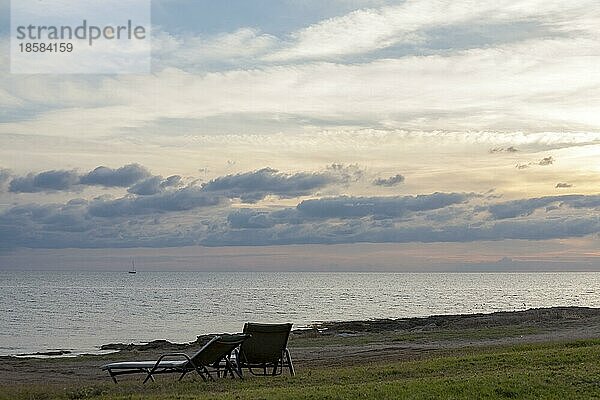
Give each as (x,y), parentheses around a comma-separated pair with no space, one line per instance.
(251,187)
(185,199)
(250,219)
(370,232)
(63,180)
(72,226)
(381,207)
(520,208)
(132,221)
(120,177)
(160,212)
(45,181)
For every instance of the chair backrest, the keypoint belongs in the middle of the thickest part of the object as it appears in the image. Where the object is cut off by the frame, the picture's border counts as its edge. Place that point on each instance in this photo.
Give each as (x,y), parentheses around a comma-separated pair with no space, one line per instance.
(217,348)
(266,343)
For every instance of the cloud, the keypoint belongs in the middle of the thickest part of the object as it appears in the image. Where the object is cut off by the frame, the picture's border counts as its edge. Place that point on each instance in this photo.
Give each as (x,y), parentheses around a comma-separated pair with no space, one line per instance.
(251,187)
(344,222)
(249,219)
(520,208)
(45,182)
(379,207)
(501,230)
(5,175)
(244,46)
(154,185)
(519,87)
(35,226)
(546,161)
(581,201)
(525,207)
(346,173)
(327,232)
(171,181)
(147,187)
(63,180)
(462,226)
(369,30)
(563,185)
(72,226)
(510,149)
(121,177)
(176,218)
(389,182)
(184,199)
(345,207)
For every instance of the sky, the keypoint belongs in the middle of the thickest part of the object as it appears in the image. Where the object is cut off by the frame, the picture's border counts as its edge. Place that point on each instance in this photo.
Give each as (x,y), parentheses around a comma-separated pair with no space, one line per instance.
(358,135)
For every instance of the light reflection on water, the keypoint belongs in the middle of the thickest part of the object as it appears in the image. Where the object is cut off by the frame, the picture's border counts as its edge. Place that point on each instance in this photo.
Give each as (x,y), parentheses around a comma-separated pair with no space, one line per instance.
(82,310)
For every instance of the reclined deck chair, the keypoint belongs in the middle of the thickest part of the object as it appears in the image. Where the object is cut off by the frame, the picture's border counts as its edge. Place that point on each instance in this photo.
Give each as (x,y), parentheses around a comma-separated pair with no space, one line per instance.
(265,349)
(215,355)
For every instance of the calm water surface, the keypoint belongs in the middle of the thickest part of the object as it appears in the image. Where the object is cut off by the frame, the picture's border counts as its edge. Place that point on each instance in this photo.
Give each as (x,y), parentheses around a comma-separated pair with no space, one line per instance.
(79,311)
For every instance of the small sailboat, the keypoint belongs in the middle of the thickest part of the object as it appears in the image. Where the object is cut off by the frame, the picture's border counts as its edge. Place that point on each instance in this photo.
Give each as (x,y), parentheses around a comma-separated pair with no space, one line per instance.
(132,270)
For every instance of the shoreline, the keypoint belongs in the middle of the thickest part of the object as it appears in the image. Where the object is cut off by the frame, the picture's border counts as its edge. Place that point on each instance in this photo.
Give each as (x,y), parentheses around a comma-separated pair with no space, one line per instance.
(534,317)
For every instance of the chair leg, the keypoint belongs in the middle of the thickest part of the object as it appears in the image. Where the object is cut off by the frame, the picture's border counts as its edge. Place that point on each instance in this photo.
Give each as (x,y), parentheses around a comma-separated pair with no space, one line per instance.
(207,372)
(232,369)
(201,374)
(149,376)
(289,361)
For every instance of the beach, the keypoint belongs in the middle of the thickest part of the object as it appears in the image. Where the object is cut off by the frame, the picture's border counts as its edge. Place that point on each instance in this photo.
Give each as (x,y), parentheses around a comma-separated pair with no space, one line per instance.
(333,345)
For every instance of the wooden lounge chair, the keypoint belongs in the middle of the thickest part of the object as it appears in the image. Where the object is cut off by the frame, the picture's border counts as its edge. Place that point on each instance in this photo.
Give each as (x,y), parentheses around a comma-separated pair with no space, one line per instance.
(215,355)
(265,352)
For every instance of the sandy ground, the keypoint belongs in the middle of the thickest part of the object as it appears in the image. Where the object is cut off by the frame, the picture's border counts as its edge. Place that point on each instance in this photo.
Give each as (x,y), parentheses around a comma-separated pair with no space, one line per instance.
(346,343)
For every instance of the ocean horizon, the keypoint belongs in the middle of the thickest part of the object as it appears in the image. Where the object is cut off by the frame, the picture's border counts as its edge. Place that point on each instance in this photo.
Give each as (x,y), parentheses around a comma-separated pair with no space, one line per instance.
(78,311)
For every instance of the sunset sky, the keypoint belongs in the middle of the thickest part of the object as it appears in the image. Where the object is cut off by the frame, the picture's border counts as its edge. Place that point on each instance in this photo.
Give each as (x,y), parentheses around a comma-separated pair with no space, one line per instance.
(363,135)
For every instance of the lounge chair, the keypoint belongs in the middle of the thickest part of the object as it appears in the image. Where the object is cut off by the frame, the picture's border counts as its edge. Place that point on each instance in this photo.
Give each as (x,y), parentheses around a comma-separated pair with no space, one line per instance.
(265,350)
(215,355)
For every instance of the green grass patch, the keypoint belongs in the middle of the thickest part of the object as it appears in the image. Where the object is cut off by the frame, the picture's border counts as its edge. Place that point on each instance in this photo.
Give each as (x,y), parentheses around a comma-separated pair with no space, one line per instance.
(540,371)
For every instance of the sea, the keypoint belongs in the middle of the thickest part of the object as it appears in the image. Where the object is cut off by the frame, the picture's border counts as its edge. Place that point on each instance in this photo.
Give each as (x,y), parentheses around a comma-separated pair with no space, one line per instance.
(80,311)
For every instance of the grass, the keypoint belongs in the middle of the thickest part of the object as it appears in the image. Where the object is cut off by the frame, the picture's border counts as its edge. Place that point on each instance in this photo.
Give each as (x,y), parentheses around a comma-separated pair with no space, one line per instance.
(542,371)
(479,333)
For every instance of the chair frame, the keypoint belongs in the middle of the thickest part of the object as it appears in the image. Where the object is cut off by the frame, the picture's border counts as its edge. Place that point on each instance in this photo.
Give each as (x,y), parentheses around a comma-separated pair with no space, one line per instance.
(262,368)
(186,365)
